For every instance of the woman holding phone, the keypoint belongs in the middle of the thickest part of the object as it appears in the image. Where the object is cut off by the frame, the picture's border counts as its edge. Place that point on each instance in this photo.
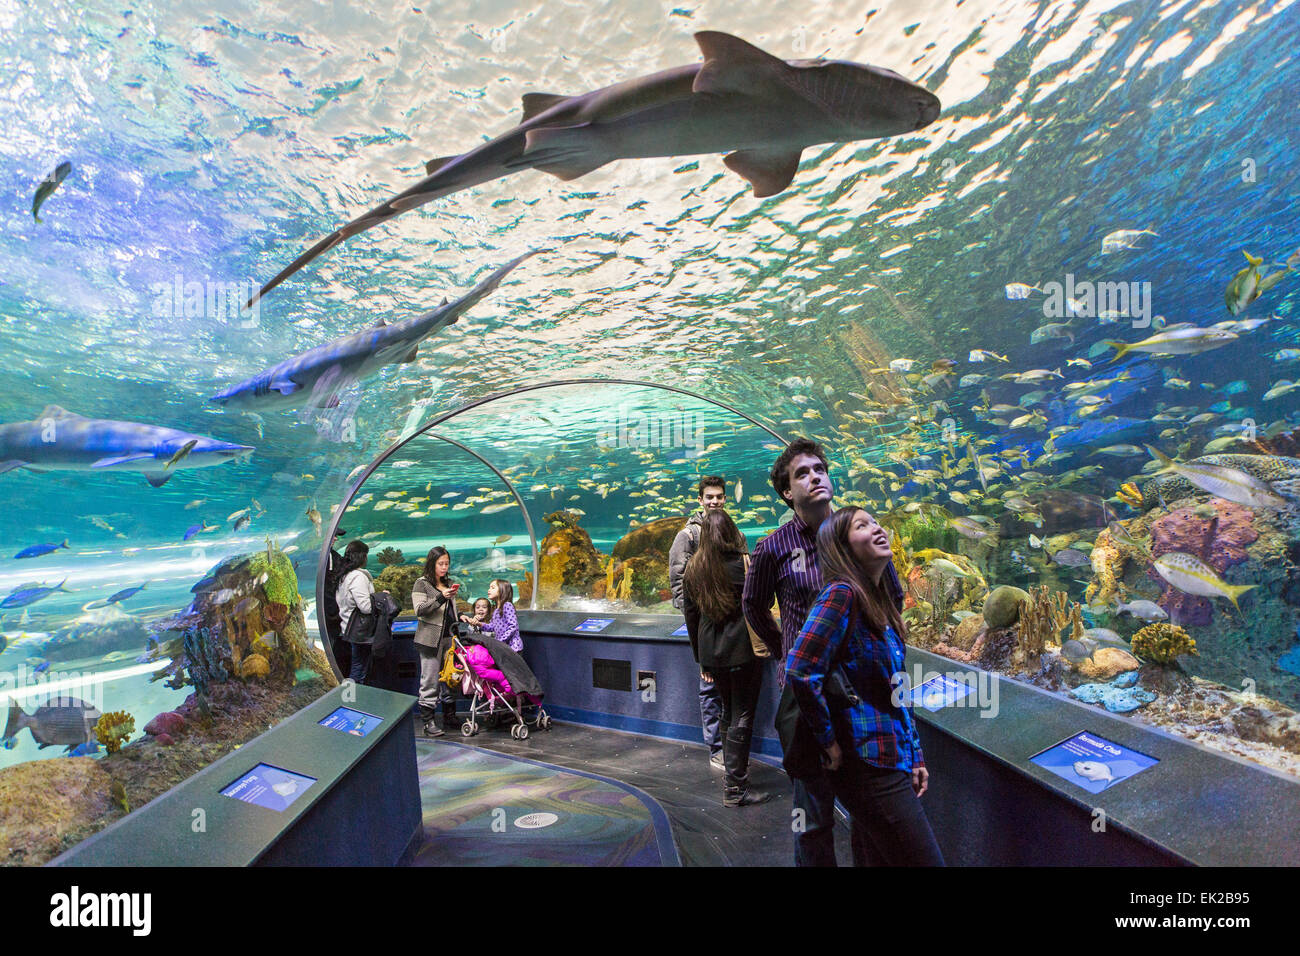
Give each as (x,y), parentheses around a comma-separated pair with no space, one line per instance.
(434,600)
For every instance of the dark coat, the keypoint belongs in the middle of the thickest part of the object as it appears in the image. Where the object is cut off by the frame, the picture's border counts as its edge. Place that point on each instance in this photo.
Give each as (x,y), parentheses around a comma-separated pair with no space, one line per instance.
(719,643)
(386,610)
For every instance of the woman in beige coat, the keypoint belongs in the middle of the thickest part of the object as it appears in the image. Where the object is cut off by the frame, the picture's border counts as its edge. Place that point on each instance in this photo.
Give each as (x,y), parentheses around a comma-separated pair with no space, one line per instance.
(434,600)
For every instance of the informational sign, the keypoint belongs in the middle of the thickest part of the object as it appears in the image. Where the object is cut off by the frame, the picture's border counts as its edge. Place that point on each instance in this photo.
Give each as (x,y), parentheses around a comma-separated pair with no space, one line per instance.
(939,692)
(269,787)
(681,632)
(593,625)
(1091,762)
(405,627)
(352,722)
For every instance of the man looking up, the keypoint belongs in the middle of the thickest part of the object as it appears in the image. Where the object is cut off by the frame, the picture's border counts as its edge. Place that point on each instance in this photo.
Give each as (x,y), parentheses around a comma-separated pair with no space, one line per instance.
(785,566)
(713,497)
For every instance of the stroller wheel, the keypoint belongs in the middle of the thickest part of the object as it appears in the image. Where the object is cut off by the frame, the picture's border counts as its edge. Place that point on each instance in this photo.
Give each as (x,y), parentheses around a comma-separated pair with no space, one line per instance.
(520,731)
(469,728)
(544,722)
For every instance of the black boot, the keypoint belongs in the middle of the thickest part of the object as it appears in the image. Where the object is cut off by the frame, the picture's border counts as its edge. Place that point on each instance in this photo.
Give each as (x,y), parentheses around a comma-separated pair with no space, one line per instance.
(427,715)
(735,756)
(449,721)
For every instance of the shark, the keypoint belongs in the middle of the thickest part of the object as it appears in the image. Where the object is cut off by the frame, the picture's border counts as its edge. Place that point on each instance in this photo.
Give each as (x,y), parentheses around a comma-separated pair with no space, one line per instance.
(316,376)
(760,110)
(60,440)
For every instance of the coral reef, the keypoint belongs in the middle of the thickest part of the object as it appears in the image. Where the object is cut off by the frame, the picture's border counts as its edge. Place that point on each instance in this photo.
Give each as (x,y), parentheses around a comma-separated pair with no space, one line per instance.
(254,665)
(390,556)
(113,728)
(1002,606)
(168,722)
(568,561)
(642,553)
(399,581)
(1118,697)
(1042,618)
(1162,642)
(1220,541)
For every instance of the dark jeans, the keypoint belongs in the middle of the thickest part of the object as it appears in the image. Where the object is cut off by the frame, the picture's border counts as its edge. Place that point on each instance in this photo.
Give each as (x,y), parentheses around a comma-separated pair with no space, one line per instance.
(814,838)
(738,688)
(360,669)
(883,802)
(711,716)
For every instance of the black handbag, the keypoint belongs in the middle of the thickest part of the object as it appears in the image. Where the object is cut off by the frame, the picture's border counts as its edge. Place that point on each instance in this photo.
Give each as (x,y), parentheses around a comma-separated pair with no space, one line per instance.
(361,627)
(801,755)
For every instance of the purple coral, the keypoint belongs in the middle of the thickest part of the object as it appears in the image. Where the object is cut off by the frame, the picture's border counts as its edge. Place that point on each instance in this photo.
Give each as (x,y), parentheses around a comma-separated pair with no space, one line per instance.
(1219,541)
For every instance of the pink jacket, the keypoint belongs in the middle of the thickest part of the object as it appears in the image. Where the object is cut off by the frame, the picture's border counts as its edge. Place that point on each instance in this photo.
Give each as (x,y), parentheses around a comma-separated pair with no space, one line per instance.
(485,669)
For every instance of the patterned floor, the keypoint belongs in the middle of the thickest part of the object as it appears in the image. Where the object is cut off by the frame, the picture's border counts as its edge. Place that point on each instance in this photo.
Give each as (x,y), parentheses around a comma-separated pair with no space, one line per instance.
(490,809)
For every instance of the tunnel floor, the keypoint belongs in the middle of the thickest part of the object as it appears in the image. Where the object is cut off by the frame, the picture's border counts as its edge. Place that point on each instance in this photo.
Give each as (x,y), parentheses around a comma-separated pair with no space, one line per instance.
(674,775)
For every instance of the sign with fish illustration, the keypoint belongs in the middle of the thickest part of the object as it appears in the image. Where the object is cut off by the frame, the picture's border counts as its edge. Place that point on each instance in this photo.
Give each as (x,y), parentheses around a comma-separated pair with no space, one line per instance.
(1092,762)
(593,625)
(681,632)
(352,722)
(939,692)
(269,787)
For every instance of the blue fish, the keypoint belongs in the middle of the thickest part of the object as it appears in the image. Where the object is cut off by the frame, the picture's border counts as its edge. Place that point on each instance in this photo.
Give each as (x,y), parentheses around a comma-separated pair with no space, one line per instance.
(59,440)
(37,550)
(1221,407)
(194,529)
(41,668)
(85,750)
(123,595)
(1234,388)
(30,595)
(315,377)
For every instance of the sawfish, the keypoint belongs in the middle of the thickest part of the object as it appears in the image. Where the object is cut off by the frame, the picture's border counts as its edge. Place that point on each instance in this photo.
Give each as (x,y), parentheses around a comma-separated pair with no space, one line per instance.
(316,376)
(760,110)
(64,441)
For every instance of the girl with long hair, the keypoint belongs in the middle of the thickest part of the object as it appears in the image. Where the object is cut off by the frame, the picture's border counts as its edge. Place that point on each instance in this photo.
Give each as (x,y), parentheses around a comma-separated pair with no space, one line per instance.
(855,634)
(712,585)
(434,599)
(355,593)
(503,623)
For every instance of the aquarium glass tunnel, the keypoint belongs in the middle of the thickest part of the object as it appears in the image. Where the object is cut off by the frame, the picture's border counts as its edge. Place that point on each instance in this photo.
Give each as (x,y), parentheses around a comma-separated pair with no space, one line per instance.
(1030,277)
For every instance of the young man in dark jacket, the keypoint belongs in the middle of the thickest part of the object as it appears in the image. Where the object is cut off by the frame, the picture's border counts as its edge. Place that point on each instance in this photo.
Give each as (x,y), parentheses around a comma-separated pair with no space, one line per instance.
(713,495)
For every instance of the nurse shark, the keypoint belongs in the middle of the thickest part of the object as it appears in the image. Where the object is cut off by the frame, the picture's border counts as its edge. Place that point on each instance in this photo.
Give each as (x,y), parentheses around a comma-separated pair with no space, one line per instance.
(59,440)
(760,110)
(316,376)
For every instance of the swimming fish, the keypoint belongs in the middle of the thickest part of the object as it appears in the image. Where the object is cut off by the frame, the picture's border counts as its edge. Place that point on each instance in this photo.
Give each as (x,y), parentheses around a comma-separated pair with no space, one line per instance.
(1231,484)
(1184,341)
(1076,652)
(1018,290)
(67,724)
(124,594)
(181,453)
(1071,558)
(1191,575)
(1123,239)
(38,550)
(982,355)
(1247,286)
(199,528)
(740,491)
(314,516)
(759,109)
(47,187)
(1142,610)
(30,595)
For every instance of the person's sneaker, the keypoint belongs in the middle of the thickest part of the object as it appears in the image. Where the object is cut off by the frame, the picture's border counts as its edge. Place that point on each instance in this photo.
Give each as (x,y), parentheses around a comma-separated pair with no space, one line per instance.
(433,730)
(715,761)
(745,798)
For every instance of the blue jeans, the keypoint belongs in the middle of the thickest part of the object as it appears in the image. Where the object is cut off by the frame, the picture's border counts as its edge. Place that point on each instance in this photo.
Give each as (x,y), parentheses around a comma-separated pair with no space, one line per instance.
(815,844)
(360,669)
(711,715)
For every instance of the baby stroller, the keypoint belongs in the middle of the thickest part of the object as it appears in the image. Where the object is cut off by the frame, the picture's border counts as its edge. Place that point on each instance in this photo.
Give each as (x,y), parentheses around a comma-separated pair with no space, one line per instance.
(502,686)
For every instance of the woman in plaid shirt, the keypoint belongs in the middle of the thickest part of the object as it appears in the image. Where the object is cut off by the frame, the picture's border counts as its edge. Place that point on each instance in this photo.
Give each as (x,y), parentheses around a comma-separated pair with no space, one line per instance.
(872,752)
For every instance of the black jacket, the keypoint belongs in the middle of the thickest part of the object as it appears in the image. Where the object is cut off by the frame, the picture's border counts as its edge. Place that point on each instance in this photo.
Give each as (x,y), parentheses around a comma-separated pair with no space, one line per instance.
(719,643)
(386,609)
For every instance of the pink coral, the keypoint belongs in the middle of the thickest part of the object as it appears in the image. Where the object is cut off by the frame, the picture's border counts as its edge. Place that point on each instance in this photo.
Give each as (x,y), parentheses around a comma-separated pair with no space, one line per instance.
(168,722)
(1219,541)
(165,739)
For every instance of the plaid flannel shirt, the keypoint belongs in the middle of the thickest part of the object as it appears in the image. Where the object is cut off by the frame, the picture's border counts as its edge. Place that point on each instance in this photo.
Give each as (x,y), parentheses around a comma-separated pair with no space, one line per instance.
(883,734)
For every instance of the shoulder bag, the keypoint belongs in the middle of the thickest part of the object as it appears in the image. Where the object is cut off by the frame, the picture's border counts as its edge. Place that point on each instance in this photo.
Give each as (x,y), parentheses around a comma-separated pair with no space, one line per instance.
(801,754)
(757,643)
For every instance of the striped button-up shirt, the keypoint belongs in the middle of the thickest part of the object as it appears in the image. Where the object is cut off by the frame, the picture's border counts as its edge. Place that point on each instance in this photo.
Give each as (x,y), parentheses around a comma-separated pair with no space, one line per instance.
(784,566)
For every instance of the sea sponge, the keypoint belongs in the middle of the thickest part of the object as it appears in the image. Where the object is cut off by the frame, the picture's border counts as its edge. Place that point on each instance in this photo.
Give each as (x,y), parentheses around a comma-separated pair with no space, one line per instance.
(113,728)
(1002,606)
(1161,642)
(254,665)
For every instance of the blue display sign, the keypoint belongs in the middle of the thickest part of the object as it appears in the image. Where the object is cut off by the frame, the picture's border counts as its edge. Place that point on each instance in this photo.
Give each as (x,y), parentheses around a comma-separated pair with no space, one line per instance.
(594,625)
(939,692)
(405,627)
(352,722)
(1091,762)
(269,787)
(681,632)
